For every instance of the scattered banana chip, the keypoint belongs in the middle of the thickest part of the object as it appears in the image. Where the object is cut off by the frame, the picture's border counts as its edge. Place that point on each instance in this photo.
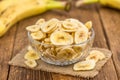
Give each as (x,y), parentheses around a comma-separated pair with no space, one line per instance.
(88,24)
(38,35)
(32,55)
(81,35)
(31,63)
(61,38)
(33,28)
(84,65)
(95,55)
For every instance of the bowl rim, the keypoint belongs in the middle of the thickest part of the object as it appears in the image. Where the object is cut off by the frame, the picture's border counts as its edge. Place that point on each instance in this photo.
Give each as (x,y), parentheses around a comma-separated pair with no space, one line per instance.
(37,42)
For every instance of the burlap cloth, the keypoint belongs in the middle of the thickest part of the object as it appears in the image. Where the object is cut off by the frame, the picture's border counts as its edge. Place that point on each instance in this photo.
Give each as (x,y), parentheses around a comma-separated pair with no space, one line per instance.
(18,60)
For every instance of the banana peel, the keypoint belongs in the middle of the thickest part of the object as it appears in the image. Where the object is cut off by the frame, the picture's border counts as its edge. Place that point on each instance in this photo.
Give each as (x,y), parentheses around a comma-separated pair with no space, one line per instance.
(12,11)
(110,3)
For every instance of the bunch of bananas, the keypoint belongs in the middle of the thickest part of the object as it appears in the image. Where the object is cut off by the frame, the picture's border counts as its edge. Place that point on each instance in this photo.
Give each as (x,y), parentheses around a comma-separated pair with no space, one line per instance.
(109,3)
(12,11)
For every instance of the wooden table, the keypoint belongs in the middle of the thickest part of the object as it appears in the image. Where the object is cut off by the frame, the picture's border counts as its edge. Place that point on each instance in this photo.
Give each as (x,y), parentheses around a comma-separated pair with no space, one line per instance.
(106,23)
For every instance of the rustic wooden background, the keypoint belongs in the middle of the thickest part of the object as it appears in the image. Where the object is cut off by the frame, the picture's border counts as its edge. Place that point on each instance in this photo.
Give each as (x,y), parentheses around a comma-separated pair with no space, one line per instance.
(106,23)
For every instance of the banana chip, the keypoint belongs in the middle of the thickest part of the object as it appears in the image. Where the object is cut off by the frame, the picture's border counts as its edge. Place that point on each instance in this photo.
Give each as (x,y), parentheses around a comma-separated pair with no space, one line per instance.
(51,51)
(84,65)
(81,35)
(38,35)
(69,26)
(77,48)
(77,22)
(32,55)
(57,49)
(30,48)
(31,63)
(50,25)
(47,40)
(40,22)
(95,55)
(33,28)
(66,53)
(88,24)
(61,38)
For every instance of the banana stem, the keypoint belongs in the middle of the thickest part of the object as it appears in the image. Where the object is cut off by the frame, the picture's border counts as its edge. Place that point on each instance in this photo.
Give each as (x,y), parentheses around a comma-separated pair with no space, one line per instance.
(56,5)
(82,2)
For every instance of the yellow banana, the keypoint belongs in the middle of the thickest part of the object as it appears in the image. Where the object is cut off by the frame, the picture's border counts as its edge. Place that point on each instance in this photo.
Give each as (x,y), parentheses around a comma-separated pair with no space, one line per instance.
(109,3)
(4,4)
(14,12)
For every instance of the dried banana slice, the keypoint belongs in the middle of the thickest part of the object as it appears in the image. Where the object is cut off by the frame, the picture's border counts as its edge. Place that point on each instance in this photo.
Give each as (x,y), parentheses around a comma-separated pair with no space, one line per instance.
(50,25)
(66,53)
(84,65)
(69,26)
(33,28)
(40,22)
(77,22)
(38,35)
(40,47)
(58,48)
(81,35)
(51,51)
(32,55)
(72,20)
(31,63)
(61,38)
(89,34)
(88,24)
(95,55)
(29,48)
(77,48)
(47,40)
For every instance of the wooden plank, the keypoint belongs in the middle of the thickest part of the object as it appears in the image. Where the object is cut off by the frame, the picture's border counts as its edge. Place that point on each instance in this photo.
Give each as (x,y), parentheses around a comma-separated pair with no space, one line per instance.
(6,47)
(83,14)
(21,41)
(111,21)
(90,13)
(17,73)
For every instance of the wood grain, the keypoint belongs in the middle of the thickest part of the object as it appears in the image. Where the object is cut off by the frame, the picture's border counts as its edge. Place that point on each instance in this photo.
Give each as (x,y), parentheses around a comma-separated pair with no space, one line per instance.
(107,29)
(83,14)
(90,13)
(21,41)
(111,23)
(6,47)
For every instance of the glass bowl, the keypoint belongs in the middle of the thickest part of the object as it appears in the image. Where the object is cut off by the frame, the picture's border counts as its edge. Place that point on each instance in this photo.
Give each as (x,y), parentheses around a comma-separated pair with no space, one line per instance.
(51,54)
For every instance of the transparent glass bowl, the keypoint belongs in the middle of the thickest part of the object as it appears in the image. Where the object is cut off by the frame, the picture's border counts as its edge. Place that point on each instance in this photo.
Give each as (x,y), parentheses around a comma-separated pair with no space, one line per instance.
(64,54)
